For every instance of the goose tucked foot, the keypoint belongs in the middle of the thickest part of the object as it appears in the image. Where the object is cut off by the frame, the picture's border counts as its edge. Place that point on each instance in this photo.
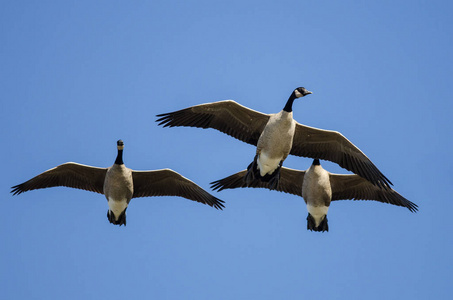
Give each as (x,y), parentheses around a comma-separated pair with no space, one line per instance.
(274,178)
(252,172)
(273,183)
(311,224)
(121,219)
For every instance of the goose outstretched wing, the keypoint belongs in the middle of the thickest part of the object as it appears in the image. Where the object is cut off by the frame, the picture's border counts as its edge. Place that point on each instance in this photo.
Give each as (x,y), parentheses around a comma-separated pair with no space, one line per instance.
(226,116)
(167,182)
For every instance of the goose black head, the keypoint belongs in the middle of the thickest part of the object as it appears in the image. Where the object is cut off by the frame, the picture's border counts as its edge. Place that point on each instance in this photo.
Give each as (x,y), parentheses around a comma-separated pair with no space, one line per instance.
(301,92)
(120,144)
(297,93)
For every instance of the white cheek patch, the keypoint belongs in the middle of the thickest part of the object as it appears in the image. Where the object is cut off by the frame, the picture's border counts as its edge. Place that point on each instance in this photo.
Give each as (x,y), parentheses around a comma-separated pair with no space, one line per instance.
(297,93)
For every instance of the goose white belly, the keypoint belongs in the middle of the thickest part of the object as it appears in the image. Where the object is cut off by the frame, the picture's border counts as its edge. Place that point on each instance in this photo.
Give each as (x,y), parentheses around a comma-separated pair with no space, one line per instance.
(267,164)
(117,206)
(317,212)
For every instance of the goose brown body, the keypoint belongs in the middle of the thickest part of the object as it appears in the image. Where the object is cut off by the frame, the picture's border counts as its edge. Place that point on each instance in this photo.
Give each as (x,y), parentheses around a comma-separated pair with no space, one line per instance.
(317,193)
(118,189)
(275,142)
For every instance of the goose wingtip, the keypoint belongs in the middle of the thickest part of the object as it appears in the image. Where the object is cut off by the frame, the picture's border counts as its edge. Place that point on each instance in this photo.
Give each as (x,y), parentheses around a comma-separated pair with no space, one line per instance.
(413,207)
(219,204)
(16,190)
(216,186)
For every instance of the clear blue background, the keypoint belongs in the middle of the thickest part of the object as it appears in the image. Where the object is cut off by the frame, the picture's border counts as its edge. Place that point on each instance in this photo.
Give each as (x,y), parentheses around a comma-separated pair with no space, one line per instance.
(76,76)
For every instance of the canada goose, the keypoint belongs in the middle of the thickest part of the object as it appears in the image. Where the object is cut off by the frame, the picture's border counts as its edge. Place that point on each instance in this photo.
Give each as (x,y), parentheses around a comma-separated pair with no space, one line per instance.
(319,187)
(276,136)
(119,184)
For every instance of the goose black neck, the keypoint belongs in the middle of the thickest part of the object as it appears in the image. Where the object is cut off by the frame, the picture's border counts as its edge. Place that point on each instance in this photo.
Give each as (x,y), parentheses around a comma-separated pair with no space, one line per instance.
(316,162)
(119,158)
(289,104)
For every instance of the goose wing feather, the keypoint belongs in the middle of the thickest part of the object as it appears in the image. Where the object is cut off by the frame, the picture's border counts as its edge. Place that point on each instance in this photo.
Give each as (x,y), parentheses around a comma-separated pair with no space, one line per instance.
(69,174)
(226,116)
(290,182)
(333,146)
(357,188)
(167,182)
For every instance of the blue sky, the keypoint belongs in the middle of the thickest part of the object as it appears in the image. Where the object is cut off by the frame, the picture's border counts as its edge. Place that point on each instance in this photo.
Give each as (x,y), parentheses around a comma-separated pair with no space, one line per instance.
(77,76)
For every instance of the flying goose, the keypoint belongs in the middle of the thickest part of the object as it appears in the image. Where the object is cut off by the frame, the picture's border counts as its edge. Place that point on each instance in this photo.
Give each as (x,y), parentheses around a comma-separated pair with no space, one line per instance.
(119,184)
(319,187)
(276,136)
